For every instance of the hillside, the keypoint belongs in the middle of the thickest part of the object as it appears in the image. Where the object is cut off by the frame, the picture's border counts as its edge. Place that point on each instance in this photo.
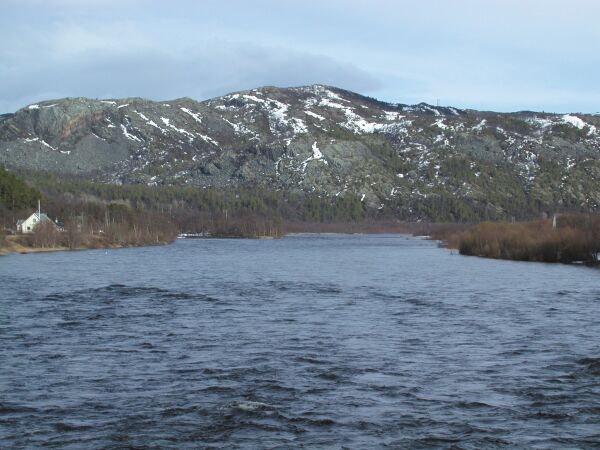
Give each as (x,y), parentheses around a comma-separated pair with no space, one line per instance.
(415,162)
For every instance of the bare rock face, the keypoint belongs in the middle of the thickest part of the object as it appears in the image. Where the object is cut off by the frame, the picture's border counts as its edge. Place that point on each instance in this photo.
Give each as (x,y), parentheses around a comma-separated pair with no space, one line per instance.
(316,139)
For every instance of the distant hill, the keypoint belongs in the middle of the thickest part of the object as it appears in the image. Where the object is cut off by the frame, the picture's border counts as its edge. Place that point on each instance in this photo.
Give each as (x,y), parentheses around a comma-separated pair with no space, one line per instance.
(417,162)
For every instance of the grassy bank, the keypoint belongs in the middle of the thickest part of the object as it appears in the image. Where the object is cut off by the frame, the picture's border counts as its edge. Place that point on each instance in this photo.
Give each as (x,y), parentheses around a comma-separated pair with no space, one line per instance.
(26,244)
(572,238)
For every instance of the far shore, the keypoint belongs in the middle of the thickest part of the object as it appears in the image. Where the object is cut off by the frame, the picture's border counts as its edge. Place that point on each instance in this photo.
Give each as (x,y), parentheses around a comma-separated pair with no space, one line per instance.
(13,246)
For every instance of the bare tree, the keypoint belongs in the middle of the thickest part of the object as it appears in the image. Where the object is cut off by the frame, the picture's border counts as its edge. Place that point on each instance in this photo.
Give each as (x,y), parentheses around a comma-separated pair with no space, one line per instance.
(73,235)
(45,235)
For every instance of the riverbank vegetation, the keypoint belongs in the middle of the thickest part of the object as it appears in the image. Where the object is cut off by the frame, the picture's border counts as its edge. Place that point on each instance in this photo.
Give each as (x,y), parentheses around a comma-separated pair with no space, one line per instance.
(247,211)
(81,222)
(567,239)
(104,215)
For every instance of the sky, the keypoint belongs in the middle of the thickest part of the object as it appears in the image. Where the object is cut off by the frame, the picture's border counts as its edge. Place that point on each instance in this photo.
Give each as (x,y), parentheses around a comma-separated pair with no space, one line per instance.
(502,55)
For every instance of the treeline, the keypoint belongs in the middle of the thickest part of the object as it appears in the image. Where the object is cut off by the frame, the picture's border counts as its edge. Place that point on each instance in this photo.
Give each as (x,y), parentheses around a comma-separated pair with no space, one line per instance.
(242,212)
(99,226)
(575,238)
(15,194)
(246,211)
(81,221)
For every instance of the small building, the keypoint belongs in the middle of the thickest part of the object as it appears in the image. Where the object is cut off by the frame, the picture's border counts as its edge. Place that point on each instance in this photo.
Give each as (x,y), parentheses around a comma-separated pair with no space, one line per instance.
(28,225)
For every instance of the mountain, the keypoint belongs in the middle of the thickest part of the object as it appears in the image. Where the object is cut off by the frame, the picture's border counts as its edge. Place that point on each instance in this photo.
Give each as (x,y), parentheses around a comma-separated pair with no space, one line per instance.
(324,141)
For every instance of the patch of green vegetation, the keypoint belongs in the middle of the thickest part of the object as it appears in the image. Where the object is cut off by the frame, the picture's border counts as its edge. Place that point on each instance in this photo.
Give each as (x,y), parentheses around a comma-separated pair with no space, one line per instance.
(569,132)
(15,193)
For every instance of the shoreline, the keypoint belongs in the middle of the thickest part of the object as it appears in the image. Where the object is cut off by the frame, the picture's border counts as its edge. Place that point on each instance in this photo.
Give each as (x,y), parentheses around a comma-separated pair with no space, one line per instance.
(16,248)
(11,246)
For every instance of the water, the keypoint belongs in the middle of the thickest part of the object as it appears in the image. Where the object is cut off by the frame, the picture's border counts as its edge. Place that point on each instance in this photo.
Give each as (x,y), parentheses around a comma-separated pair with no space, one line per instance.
(314,342)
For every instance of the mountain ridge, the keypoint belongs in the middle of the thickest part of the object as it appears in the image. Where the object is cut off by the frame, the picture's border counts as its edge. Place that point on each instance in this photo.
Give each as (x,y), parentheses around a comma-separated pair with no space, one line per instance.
(319,140)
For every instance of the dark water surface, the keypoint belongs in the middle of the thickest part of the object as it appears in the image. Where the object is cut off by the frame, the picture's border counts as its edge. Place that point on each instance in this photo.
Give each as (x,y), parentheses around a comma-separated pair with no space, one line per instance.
(314,342)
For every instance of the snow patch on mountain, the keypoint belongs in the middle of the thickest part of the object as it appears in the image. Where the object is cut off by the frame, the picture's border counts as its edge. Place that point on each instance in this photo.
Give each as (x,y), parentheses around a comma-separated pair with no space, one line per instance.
(241,129)
(392,115)
(168,123)
(541,122)
(208,139)
(316,156)
(315,115)
(578,123)
(142,116)
(480,126)
(440,124)
(128,135)
(196,116)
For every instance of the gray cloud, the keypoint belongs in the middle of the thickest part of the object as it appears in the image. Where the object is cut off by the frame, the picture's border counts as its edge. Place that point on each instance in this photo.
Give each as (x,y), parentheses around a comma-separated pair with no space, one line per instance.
(213,69)
(498,54)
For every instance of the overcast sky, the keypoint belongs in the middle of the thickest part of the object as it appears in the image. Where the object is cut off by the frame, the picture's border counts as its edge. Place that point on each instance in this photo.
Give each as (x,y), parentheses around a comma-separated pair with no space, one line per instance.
(503,55)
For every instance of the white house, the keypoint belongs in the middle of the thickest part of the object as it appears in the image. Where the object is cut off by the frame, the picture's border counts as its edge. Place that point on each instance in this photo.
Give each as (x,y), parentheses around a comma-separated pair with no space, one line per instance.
(28,225)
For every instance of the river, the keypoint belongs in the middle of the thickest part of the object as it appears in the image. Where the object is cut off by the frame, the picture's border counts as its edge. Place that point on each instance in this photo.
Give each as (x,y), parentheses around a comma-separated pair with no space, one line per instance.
(331,341)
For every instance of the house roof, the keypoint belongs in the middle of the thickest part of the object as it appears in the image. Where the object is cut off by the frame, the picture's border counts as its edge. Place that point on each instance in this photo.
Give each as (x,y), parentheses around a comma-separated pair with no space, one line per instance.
(41,218)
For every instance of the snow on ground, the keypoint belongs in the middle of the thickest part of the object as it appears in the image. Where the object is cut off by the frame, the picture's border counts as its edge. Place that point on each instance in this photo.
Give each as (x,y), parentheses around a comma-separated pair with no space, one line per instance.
(574,120)
(168,123)
(480,126)
(278,115)
(331,104)
(439,138)
(142,116)
(568,119)
(358,124)
(392,115)
(316,156)
(108,102)
(578,123)
(431,109)
(42,142)
(196,116)
(208,139)
(312,114)
(316,152)
(128,135)
(33,107)
(152,123)
(298,126)
(331,94)
(253,98)
(542,123)
(440,124)
(123,106)
(240,128)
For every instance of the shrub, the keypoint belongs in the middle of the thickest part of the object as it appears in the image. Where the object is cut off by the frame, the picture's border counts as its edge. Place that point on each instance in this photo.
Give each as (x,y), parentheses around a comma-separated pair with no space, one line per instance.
(576,238)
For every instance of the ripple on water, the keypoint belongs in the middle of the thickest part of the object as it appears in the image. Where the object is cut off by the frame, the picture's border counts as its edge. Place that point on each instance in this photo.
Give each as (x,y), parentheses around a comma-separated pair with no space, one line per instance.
(339,342)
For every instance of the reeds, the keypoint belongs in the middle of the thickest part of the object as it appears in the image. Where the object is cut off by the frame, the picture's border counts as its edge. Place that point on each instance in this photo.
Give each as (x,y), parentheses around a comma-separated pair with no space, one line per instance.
(575,238)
